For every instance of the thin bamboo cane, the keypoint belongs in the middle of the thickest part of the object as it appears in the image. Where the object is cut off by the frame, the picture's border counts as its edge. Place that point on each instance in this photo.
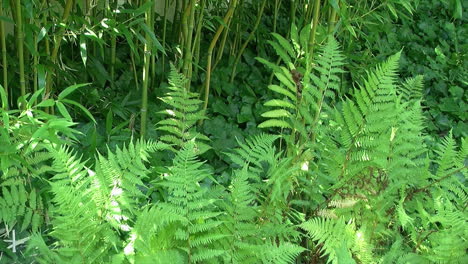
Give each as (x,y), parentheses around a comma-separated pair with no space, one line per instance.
(190,17)
(4,55)
(332,19)
(19,39)
(58,40)
(166,5)
(249,38)
(113,43)
(313,31)
(146,61)
(220,29)
(196,48)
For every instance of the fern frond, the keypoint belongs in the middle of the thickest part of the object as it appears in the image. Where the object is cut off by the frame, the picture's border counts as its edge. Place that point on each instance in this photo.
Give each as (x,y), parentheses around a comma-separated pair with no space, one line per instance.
(198,234)
(184,112)
(412,89)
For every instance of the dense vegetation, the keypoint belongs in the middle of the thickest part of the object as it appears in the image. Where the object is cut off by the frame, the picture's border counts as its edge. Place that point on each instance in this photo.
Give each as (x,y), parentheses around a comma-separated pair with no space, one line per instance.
(213,131)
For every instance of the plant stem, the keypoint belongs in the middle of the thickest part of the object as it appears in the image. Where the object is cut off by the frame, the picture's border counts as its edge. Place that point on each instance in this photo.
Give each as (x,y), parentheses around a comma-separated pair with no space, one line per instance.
(314,28)
(166,4)
(332,19)
(249,38)
(196,48)
(58,40)
(4,55)
(190,17)
(19,39)
(113,44)
(146,61)
(226,18)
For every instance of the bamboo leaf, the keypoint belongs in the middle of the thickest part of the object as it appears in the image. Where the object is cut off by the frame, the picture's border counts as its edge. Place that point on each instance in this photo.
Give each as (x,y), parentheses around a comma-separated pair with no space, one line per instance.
(83,50)
(3,97)
(63,110)
(41,34)
(85,111)
(70,90)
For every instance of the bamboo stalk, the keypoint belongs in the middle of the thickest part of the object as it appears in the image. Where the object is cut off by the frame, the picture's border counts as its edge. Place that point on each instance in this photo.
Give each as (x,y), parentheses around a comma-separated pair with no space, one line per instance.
(19,39)
(113,44)
(220,29)
(314,28)
(332,19)
(4,55)
(58,40)
(146,61)
(196,48)
(189,18)
(166,4)
(223,44)
(153,55)
(249,38)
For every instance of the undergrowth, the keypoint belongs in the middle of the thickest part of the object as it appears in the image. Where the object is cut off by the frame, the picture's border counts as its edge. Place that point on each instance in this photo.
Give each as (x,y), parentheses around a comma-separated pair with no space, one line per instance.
(336,179)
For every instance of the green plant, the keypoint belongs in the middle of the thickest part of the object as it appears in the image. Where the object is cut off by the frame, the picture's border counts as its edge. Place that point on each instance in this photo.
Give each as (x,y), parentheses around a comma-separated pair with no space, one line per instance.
(184,113)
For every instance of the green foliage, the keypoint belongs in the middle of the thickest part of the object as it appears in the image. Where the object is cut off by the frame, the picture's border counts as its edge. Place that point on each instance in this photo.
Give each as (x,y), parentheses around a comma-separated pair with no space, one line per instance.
(348,174)
(184,112)
(434,45)
(303,93)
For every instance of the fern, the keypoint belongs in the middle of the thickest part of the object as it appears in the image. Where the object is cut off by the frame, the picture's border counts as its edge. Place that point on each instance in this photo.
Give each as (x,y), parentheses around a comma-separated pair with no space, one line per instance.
(303,93)
(94,211)
(184,112)
(196,235)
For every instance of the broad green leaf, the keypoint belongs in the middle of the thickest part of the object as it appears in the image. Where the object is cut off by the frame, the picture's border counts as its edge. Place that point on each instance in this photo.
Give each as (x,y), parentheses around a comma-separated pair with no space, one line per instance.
(280,103)
(41,76)
(156,44)
(70,90)
(46,103)
(32,199)
(276,113)
(286,80)
(63,110)
(274,123)
(109,121)
(281,52)
(3,97)
(285,44)
(83,50)
(86,111)
(27,219)
(282,91)
(41,34)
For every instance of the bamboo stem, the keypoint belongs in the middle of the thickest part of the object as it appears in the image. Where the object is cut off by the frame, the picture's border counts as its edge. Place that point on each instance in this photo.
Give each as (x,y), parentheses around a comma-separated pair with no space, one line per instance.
(332,19)
(146,61)
(19,39)
(196,48)
(58,40)
(188,28)
(113,45)
(226,18)
(4,55)
(166,4)
(249,38)
(314,28)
